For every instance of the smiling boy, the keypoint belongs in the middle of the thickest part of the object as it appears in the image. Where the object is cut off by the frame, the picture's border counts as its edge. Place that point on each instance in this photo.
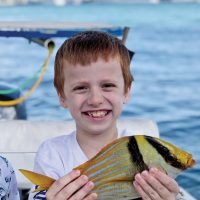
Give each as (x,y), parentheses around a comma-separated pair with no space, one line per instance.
(93,81)
(94,95)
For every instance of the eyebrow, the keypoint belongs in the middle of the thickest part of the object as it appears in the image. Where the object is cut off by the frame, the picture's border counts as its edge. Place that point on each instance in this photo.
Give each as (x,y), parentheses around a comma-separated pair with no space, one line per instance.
(109,81)
(85,82)
(79,83)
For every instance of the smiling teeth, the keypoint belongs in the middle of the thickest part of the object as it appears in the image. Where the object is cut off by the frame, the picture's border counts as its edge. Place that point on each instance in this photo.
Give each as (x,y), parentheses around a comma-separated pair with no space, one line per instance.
(97,113)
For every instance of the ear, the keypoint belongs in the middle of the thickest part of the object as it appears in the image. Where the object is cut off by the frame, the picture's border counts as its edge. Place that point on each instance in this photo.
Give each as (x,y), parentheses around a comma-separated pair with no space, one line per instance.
(62,100)
(127,95)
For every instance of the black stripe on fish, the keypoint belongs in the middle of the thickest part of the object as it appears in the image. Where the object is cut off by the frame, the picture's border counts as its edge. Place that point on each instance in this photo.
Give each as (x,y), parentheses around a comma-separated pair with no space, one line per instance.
(136,156)
(165,153)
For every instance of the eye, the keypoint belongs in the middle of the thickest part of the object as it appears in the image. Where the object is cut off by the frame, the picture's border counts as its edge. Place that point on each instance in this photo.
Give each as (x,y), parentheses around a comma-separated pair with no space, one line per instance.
(80,88)
(108,85)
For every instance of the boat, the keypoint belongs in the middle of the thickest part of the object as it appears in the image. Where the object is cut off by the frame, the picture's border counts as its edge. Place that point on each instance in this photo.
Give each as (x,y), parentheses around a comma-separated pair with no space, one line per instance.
(21,137)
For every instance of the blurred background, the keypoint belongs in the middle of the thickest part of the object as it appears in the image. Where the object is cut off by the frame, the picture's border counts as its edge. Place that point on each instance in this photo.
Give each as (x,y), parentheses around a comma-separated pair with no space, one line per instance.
(165,36)
(78,2)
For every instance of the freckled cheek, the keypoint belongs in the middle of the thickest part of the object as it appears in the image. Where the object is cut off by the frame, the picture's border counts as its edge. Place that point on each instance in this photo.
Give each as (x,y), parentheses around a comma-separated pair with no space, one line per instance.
(77,102)
(115,98)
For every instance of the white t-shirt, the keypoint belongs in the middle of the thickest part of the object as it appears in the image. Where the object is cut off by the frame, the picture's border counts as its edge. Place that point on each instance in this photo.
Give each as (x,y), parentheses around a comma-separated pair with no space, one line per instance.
(8,183)
(58,156)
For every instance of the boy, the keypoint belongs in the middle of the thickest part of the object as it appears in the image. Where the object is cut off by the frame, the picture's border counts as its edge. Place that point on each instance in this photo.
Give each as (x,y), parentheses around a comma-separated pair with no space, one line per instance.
(8,183)
(93,80)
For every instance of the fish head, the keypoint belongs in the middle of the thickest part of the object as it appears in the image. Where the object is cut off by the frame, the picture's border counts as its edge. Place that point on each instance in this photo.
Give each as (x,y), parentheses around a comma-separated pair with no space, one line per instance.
(177,157)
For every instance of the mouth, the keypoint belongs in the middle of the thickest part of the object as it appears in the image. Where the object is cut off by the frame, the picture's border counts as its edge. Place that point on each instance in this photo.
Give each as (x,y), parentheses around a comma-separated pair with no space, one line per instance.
(97,113)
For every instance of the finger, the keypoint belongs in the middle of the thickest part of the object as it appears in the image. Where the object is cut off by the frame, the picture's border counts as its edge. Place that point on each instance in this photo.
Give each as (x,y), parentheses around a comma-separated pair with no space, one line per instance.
(60,183)
(146,186)
(80,194)
(92,196)
(140,191)
(162,191)
(72,187)
(165,180)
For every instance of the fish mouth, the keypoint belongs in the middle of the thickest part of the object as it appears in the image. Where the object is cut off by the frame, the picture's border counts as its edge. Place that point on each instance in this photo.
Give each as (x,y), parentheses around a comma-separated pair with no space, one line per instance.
(97,113)
(191,162)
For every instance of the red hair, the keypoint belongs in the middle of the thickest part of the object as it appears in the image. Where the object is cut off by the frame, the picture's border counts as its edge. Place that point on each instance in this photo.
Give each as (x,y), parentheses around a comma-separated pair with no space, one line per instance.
(87,47)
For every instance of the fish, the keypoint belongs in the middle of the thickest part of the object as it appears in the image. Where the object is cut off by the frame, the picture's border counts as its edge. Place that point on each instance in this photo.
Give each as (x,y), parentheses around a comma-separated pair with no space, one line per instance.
(112,170)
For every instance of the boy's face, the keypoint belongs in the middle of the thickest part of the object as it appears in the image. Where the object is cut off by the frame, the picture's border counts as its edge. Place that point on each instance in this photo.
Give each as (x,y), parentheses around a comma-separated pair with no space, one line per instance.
(94,94)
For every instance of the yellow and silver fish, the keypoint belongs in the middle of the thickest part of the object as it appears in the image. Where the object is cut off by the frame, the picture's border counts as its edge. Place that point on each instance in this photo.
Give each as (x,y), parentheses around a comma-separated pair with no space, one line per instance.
(113,169)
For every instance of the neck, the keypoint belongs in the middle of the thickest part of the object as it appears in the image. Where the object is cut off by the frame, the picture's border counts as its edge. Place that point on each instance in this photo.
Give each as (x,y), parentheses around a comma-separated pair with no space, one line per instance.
(91,144)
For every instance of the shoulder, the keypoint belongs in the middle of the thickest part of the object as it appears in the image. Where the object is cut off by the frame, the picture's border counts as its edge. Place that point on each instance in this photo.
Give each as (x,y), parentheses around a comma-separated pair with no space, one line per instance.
(51,156)
(130,127)
(3,161)
(5,166)
(8,183)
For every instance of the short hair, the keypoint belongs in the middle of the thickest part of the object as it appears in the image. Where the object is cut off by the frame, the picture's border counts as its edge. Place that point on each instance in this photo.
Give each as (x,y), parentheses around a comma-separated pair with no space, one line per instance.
(85,48)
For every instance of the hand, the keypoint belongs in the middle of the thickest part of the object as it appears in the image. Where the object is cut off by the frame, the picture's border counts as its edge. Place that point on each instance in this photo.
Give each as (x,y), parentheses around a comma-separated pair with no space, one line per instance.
(71,187)
(156,185)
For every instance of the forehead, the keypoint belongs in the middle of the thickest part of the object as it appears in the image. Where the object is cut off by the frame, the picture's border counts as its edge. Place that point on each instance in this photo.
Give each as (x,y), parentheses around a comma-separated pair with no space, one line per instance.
(110,69)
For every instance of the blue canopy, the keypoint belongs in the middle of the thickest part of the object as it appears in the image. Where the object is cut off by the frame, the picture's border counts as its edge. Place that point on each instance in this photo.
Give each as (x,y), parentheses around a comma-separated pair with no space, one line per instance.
(45,30)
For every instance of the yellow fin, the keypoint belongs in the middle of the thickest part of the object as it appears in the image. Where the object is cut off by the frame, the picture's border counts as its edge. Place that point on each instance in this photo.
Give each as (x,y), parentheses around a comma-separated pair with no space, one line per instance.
(44,182)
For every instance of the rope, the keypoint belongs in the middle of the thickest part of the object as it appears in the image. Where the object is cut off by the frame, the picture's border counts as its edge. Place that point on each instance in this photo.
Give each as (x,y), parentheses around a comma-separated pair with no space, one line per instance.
(30,91)
(23,85)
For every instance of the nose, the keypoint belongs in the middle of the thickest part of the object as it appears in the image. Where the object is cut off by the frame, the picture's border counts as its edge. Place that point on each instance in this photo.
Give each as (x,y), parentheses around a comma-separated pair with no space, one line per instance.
(95,97)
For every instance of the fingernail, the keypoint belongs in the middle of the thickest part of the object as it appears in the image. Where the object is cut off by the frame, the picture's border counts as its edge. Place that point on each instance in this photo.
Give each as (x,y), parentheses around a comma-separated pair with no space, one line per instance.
(153,170)
(145,173)
(135,183)
(77,172)
(138,177)
(90,185)
(84,177)
(94,195)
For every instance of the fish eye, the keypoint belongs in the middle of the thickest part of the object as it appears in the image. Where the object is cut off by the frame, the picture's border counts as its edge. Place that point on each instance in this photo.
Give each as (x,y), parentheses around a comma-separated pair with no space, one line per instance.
(170,157)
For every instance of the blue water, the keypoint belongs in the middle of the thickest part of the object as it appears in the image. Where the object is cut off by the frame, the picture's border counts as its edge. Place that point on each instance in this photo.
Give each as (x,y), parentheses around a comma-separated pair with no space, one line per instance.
(166,39)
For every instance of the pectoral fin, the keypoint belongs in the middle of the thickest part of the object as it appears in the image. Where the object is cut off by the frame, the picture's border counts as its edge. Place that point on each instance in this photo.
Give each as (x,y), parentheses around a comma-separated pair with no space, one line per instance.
(44,182)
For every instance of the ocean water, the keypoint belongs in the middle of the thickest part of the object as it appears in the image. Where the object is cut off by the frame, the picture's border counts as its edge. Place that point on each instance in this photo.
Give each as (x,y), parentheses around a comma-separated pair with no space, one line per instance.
(166,69)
